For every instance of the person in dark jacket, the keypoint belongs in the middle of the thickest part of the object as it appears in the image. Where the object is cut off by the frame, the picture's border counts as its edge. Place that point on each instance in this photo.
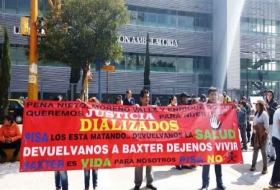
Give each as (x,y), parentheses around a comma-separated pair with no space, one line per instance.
(129,100)
(242,122)
(248,112)
(184,99)
(271,106)
(213,98)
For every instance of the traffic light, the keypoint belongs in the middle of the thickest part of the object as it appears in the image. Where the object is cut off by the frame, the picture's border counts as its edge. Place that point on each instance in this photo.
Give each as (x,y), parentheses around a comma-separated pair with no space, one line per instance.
(41,26)
(24,26)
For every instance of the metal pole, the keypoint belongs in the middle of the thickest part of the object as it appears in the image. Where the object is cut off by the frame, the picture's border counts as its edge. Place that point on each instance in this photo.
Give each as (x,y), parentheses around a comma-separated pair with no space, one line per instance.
(99,84)
(41,93)
(247,84)
(33,59)
(107,83)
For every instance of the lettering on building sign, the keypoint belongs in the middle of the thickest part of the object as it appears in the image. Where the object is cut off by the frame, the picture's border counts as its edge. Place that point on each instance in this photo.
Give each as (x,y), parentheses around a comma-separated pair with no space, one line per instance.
(143,40)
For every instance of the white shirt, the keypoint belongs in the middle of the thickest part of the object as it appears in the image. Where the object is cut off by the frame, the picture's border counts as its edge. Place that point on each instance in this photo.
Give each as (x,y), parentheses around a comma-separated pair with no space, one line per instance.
(264,119)
(276,128)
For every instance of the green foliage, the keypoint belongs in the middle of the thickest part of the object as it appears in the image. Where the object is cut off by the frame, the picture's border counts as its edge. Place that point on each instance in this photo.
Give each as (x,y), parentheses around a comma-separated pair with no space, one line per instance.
(5,75)
(147,68)
(83,32)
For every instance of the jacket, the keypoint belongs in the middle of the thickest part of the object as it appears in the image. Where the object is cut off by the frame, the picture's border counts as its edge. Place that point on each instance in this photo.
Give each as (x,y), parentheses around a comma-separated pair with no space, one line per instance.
(272,108)
(241,116)
(12,132)
(260,135)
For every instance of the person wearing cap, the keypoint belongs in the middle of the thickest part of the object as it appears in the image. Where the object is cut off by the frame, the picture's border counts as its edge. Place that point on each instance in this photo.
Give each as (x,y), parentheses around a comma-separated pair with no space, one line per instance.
(261,118)
(118,101)
(271,106)
(10,137)
(184,99)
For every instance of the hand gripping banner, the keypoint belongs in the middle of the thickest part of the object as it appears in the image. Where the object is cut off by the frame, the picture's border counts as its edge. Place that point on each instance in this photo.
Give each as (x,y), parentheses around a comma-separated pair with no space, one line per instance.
(78,135)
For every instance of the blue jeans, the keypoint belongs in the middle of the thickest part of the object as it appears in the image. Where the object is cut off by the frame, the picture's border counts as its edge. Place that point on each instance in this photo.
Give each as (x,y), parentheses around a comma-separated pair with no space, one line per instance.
(205,175)
(87,178)
(61,180)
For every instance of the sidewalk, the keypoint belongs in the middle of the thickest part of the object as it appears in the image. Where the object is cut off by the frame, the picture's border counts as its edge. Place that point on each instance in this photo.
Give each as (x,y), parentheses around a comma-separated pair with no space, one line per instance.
(166,178)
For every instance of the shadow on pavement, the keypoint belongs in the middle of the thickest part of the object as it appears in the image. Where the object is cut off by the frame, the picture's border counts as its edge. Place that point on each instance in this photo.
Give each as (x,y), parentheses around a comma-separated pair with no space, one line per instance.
(8,168)
(248,177)
(159,175)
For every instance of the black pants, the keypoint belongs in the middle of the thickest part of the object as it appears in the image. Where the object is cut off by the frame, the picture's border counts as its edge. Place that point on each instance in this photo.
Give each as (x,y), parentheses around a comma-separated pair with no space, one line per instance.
(276,172)
(14,145)
(248,130)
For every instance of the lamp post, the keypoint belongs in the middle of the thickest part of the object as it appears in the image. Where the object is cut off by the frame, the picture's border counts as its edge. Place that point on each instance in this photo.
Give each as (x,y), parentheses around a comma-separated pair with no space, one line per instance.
(33,58)
(248,68)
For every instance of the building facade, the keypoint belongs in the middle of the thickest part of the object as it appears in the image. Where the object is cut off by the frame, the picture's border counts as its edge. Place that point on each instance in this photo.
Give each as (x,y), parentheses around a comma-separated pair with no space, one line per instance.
(193,44)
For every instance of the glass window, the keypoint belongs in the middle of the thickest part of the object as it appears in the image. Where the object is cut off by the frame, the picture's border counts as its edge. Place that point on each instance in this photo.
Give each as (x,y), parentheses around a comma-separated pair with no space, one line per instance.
(259,28)
(190,21)
(184,65)
(1,6)
(23,7)
(142,15)
(11,6)
(252,25)
(172,19)
(244,25)
(131,61)
(152,17)
(162,18)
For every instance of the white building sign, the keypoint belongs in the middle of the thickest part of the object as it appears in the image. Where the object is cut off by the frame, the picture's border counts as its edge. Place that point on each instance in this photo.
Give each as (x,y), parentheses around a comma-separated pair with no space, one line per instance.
(143,40)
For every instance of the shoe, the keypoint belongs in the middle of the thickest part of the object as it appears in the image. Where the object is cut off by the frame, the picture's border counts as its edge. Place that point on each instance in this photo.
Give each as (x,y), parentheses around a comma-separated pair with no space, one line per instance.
(204,188)
(14,159)
(264,171)
(244,149)
(136,187)
(151,187)
(272,159)
(178,167)
(95,188)
(3,159)
(253,168)
(221,187)
(275,185)
(187,167)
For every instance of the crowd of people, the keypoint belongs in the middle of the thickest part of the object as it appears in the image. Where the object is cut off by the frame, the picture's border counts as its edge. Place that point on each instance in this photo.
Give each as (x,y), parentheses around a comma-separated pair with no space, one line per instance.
(263,135)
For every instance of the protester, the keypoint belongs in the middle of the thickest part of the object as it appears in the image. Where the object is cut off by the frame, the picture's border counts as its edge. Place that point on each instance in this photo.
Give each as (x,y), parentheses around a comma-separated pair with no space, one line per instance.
(213,98)
(118,101)
(242,122)
(248,113)
(226,99)
(121,99)
(129,100)
(271,106)
(184,99)
(157,102)
(138,176)
(202,98)
(275,178)
(10,137)
(94,172)
(172,101)
(260,126)
(61,177)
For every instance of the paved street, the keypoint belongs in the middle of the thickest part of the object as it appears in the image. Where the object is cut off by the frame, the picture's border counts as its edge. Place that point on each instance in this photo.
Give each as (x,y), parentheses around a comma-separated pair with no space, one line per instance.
(166,178)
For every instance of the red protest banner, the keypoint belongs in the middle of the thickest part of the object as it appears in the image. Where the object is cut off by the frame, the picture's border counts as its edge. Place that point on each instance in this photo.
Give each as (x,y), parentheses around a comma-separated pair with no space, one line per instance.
(77,135)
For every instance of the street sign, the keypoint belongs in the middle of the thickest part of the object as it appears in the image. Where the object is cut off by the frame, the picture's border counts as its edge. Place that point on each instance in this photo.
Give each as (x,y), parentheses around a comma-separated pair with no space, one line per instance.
(108,68)
(24,26)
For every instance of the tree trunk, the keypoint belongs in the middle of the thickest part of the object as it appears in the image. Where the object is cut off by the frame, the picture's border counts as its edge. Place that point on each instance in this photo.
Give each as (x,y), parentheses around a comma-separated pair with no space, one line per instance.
(83,89)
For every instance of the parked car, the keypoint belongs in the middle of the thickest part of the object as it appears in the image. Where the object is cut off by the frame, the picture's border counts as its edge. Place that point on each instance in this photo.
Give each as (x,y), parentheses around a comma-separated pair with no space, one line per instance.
(16,110)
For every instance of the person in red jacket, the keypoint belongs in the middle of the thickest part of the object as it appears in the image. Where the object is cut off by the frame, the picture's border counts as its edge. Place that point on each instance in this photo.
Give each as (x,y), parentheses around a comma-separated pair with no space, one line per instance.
(10,137)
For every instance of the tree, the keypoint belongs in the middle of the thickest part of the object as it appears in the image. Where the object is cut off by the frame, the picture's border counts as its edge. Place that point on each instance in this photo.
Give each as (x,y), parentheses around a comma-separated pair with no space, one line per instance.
(5,75)
(147,69)
(82,32)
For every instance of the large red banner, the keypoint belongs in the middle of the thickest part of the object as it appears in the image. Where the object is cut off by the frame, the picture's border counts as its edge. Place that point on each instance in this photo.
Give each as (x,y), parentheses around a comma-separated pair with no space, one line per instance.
(78,135)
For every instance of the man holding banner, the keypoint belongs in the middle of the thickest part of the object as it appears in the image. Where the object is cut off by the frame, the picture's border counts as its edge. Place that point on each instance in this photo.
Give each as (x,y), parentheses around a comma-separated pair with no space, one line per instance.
(138,176)
(213,98)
